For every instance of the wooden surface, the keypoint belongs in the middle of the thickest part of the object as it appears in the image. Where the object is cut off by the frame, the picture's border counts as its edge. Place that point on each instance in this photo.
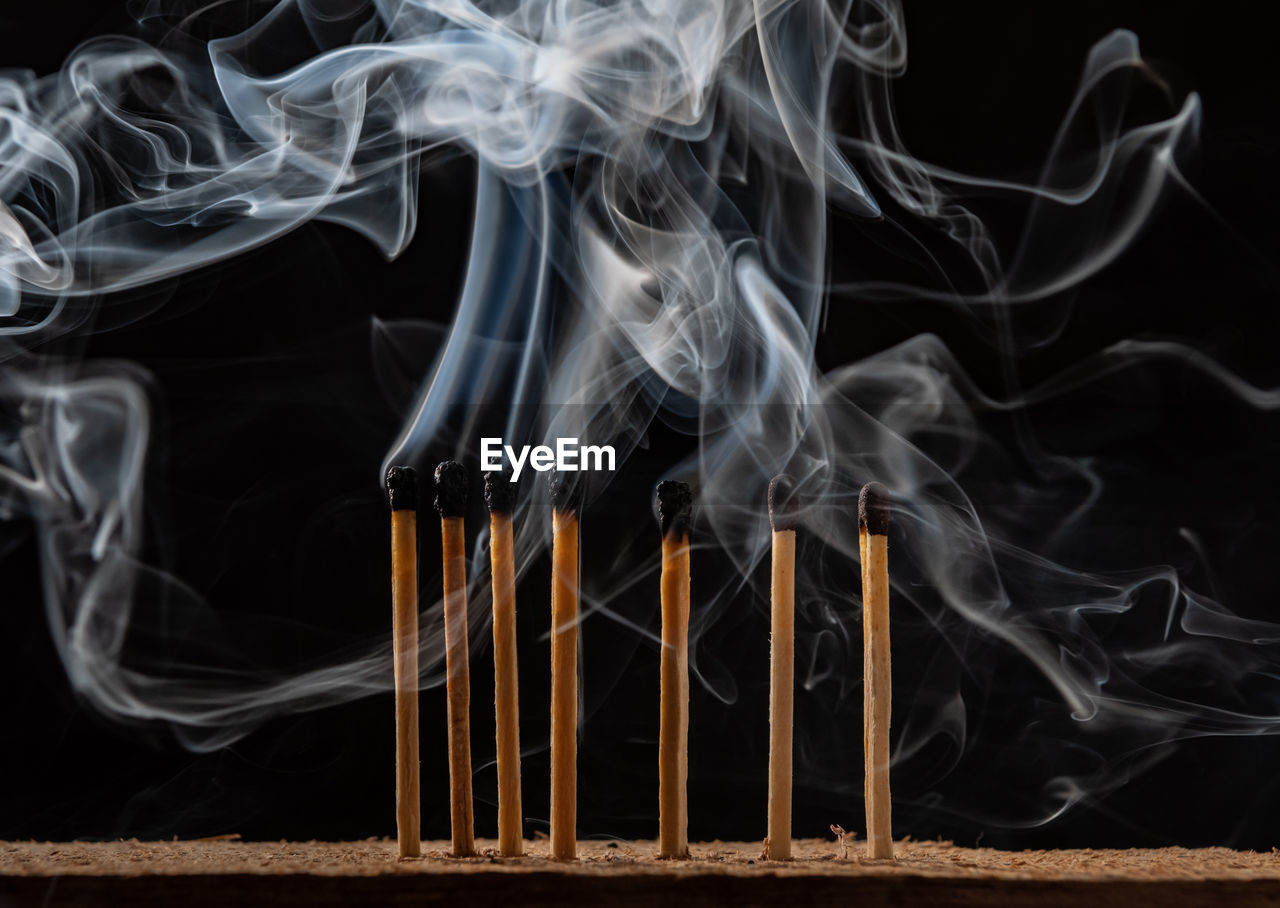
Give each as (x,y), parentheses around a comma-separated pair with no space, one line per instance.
(195,874)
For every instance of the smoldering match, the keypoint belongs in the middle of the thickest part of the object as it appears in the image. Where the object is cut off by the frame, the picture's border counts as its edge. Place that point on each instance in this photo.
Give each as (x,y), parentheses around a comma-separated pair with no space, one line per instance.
(402,488)
(500,491)
(451,489)
(873,509)
(675,501)
(783,507)
(566,492)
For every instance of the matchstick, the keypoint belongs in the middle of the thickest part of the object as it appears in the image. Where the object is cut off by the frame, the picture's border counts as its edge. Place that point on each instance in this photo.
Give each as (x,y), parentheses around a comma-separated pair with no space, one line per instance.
(500,494)
(451,503)
(782,517)
(402,494)
(565,504)
(873,530)
(674,500)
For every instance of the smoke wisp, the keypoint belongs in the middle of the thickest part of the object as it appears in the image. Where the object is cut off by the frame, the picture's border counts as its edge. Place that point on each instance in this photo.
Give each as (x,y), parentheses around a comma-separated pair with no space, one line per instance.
(651,245)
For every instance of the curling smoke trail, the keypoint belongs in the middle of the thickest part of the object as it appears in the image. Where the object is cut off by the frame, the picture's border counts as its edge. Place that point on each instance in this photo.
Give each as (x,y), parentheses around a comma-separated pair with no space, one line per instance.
(655,182)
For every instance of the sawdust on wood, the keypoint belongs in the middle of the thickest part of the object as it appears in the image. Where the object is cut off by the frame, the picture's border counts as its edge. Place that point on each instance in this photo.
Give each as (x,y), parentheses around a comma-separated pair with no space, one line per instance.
(375,857)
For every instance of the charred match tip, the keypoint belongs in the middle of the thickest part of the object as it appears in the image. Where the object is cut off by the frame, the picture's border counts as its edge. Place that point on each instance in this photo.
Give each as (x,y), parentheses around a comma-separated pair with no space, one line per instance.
(451,489)
(873,509)
(402,488)
(675,499)
(782,503)
(566,492)
(499,492)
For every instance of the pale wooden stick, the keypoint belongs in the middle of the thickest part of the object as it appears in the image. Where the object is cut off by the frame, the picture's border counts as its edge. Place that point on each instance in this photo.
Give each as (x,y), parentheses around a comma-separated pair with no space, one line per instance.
(674,499)
(451,502)
(500,495)
(564,670)
(866,684)
(402,491)
(873,523)
(781,666)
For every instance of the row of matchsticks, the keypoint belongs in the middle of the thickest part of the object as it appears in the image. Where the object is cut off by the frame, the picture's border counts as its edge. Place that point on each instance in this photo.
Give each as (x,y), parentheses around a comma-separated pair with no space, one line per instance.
(674,500)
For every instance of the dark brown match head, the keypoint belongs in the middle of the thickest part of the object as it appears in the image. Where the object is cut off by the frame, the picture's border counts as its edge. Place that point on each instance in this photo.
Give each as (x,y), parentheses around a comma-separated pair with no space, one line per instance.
(782,503)
(451,489)
(873,509)
(566,492)
(499,492)
(402,488)
(675,499)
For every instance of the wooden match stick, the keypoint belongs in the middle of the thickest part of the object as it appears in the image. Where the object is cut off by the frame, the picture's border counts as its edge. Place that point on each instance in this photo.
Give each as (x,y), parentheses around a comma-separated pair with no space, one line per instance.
(500,494)
(782,517)
(451,503)
(402,493)
(565,504)
(873,537)
(674,500)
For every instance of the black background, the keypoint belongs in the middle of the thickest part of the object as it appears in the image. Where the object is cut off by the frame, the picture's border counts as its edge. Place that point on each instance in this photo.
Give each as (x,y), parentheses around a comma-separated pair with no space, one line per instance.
(272,420)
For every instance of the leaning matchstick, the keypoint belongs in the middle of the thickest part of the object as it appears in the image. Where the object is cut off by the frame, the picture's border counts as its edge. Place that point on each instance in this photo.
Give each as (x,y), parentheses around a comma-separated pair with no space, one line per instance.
(782,517)
(451,502)
(873,530)
(402,493)
(500,494)
(674,500)
(565,503)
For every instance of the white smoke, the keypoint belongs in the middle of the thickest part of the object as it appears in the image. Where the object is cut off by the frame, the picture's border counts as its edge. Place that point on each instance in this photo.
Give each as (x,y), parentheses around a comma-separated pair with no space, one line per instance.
(655,185)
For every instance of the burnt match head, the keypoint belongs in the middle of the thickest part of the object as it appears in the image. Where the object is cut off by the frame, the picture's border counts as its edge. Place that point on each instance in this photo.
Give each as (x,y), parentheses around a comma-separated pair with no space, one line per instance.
(451,489)
(402,488)
(873,509)
(566,492)
(499,492)
(675,499)
(783,506)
